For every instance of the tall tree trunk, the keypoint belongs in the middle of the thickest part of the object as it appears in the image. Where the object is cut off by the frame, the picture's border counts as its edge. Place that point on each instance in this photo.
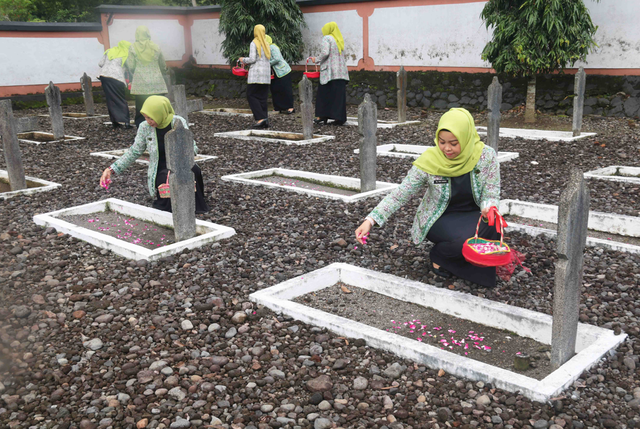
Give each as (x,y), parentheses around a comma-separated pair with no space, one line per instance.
(530,109)
(193,2)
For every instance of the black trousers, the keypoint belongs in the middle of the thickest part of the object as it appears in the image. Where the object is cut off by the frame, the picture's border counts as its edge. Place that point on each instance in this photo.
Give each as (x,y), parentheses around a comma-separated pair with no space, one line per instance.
(282,93)
(114,92)
(331,100)
(164,204)
(140,99)
(257,94)
(449,234)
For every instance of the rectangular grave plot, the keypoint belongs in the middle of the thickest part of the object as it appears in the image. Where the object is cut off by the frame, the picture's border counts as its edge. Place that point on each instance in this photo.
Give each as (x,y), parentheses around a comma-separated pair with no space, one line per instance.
(592,342)
(74,115)
(144,158)
(414,151)
(352,120)
(208,232)
(39,137)
(227,112)
(34,185)
(324,180)
(274,137)
(527,134)
(615,173)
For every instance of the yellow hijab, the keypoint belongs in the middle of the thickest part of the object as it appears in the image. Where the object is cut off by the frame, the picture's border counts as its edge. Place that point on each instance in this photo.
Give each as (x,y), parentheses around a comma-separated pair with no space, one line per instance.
(144,47)
(260,40)
(119,51)
(159,109)
(433,161)
(331,29)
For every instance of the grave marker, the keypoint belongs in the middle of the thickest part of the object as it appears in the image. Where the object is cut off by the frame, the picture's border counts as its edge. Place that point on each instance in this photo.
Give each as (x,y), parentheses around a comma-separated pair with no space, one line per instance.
(180,160)
(87,94)
(169,80)
(306,107)
(54,100)
(26,123)
(11,147)
(573,215)
(401,77)
(494,101)
(578,100)
(182,106)
(367,126)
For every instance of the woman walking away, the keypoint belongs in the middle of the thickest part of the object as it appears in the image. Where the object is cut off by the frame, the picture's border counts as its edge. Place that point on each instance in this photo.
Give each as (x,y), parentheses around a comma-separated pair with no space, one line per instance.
(281,91)
(160,119)
(146,64)
(462,180)
(112,76)
(331,100)
(259,77)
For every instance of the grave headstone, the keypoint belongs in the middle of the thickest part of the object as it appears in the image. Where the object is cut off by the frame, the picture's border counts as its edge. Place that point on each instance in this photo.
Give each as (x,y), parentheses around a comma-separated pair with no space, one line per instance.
(401,77)
(54,100)
(170,80)
(306,107)
(367,126)
(573,215)
(578,100)
(87,94)
(180,160)
(11,147)
(494,101)
(182,106)
(26,123)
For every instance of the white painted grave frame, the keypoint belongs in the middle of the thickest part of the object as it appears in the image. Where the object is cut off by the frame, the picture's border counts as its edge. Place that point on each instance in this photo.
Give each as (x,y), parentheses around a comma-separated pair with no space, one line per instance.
(592,343)
(117,153)
(46,186)
(208,231)
(349,182)
(417,150)
(627,174)
(527,134)
(67,139)
(263,136)
(382,124)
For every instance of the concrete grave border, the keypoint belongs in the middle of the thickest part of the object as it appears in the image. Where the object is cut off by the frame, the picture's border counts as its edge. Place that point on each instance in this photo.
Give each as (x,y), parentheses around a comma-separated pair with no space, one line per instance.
(66,116)
(46,186)
(386,150)
(263,136)
(527,134)
(353,120)
(607,174)
(67,139)
(598,221)
(209,232)
(117,153)
(592,342)
(247,178)
(224,111)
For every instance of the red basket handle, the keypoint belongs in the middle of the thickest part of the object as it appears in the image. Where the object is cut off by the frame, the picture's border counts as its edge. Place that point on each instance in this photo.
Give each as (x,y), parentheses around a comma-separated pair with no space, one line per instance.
(238,64)
(307,63)
(499,226)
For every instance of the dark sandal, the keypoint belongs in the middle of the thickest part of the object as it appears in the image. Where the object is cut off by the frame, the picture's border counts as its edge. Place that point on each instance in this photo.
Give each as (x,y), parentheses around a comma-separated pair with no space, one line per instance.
(440,272)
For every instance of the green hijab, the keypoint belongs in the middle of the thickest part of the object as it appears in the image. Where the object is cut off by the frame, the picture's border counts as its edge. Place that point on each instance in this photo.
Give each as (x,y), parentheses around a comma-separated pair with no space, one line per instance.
(433,161)
(144,47)
(159,109)
(119,51)
(270,41)
(331,29)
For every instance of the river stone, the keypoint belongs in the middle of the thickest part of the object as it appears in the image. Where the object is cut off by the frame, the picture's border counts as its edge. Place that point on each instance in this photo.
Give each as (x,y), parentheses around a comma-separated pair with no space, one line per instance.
(483,400)
(395,370)
(186,325)
(324,406)
(322,423)
(180,423)
(94,344)
(239,317)
(320,384)
(360,383)
(177,393)
(157,365)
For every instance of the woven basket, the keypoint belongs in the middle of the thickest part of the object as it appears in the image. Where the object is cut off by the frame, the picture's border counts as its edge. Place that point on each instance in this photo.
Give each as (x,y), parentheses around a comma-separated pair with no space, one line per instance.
(486,253)
(164,190)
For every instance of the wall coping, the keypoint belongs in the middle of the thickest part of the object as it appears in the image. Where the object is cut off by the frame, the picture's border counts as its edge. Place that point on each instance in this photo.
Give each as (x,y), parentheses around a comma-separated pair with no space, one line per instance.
(50,26)
(156,10)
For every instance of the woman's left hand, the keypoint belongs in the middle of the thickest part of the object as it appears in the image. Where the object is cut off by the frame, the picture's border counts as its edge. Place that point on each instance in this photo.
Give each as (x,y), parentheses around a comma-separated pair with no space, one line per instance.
(485,213)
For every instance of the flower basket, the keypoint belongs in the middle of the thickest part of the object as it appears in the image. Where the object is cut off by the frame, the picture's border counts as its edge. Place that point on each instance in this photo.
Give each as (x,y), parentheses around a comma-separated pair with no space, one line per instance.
(239,71)
(313,74)
(164,190)
(487,253)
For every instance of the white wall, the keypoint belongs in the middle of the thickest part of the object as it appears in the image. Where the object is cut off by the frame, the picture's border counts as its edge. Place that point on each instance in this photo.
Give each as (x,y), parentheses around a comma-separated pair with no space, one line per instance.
(34,61)
(207,42)
(167,33)
(351,27)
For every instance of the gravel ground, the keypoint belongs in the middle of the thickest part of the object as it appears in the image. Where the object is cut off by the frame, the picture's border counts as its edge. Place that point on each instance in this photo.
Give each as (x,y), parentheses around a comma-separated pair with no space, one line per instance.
(88,339)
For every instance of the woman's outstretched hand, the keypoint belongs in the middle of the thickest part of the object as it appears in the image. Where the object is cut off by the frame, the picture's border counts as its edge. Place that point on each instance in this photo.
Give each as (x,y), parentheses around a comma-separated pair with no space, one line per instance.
(105,179)
(362,233)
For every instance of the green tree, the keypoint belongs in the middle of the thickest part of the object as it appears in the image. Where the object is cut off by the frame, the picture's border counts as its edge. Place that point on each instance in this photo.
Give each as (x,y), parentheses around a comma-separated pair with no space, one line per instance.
(532,37)
(15,10)
(282,20)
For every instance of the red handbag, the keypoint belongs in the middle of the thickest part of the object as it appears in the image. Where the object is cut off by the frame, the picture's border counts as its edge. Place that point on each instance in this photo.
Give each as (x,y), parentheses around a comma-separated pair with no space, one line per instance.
(488,253)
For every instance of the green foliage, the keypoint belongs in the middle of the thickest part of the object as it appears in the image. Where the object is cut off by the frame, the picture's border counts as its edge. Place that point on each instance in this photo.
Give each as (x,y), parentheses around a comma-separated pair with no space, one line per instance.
(73,10)
(537,36)
(15,10)
(282,20)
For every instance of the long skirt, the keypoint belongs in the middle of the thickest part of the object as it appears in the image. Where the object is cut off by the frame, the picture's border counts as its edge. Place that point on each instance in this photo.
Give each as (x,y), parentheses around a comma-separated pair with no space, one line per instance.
(164,204)
(140,99)
(331,101)
(449,234)
(257,94)
(114,92)
(282,93)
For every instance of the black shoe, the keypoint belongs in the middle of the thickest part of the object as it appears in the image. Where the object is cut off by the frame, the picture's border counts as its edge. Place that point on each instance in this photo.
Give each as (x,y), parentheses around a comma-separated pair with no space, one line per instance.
(288,112)
(440,272)
(337,123)
(116,125)
(262,124)
(320,121)
(128,126)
